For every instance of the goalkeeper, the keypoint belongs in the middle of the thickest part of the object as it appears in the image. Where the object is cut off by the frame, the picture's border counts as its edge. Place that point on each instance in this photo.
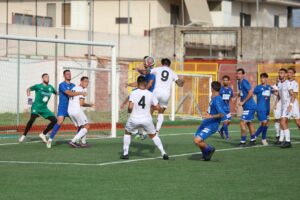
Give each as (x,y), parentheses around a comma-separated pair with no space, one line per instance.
(43,93)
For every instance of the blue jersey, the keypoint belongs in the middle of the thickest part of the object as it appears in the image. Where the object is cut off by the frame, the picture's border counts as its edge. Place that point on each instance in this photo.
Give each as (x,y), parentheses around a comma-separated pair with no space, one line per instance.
(63,97)
(216,106)
(150,77)
(226,93)
(244,88)
(263,94)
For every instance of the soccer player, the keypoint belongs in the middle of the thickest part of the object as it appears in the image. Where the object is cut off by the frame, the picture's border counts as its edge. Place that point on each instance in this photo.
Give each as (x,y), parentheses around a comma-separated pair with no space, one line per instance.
(277,111)
(77,115)
(263,94)
(165,77)
(210,124)
(64,94)
(249,107)
(290,108)
(43,92)
(140,102)
(226,93)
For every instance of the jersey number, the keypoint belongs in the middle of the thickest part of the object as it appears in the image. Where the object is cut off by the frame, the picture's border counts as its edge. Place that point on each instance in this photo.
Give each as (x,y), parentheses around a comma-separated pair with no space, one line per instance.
(142,102)
(164,75)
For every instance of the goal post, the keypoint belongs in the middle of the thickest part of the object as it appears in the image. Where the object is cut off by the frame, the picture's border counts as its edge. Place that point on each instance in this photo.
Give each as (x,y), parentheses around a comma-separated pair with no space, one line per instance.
(28,65)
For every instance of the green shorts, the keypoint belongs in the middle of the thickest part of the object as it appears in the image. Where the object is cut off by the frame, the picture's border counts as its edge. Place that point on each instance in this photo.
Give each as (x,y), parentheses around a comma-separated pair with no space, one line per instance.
(44,112)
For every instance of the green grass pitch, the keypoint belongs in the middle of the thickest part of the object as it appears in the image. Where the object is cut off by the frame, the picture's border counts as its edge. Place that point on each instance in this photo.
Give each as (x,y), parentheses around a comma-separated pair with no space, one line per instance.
(30,171)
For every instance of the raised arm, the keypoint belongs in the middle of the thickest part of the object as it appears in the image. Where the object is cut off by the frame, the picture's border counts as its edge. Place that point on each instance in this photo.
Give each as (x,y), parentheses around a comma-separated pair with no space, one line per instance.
(84,104)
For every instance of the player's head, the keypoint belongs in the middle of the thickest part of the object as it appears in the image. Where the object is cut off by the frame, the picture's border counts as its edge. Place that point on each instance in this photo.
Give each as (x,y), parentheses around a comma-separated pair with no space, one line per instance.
(141,81)
(282,73)
(240,73)
(149,62)
(225,80)
(291,73)
(215,86)
(264,78)
(166,62)
(67,75)
(84,81)
(45,78)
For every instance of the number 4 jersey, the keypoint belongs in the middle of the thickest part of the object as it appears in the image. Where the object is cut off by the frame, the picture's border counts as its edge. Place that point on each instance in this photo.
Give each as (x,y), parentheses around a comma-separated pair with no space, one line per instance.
(142,101)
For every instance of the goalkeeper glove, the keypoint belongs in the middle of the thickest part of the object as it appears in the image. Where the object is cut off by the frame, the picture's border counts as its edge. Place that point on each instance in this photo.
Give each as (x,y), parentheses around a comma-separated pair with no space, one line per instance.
(29,101)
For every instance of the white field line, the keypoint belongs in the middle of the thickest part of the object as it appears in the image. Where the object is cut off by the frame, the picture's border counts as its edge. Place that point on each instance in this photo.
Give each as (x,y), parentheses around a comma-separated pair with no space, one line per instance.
(124,161)
(103,138)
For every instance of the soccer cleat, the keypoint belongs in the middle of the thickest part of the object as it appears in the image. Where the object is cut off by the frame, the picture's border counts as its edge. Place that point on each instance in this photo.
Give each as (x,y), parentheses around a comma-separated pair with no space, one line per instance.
(264,143)
(74,144)
(43,137)
(242,144)
(165,157)
(277,142)
(228,138)
(252,143)
(286,145)
(49,144)
(207,157)
(85,145)
(22,138)
(124,157)
(221,134)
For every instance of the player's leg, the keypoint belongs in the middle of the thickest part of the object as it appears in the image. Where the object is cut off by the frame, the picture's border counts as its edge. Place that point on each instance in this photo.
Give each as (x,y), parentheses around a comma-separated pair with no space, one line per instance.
(61,115)
(163,102)
(243,133)
(160,119)
(80,120)
(264,133)
(201,135)
(28,126)
(126,145)
(81,135)
(252,133)
(262,118)
(226,121)
(277,129)
(285,135)
(47,114)
(221,130)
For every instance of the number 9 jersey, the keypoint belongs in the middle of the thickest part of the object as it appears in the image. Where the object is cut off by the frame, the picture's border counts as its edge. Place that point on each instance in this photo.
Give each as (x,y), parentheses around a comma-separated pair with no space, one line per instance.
(163,83)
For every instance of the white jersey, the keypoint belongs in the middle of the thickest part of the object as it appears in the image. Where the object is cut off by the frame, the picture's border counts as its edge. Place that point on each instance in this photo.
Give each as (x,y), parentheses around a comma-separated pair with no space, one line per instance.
(142,101)
(165,77)
(74,102)
(284,93)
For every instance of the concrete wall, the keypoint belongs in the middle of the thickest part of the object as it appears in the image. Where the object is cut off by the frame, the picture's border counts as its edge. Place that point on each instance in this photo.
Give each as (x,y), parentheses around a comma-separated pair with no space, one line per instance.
(253,44)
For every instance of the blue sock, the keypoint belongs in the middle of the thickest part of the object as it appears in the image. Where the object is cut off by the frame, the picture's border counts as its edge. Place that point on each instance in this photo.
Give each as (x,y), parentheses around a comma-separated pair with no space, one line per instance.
(259,130)
(243,138)
(225,127)
(54,131)
(253,137)
(264,133)
(222,129)
(206,150)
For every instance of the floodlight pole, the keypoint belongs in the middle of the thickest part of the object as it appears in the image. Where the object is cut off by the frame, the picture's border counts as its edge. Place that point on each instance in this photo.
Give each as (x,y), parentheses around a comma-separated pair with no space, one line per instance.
(257,12)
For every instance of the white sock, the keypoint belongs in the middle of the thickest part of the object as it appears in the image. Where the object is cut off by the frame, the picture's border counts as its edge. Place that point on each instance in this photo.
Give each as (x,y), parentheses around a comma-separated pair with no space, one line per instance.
(281,135)
(277,129)
(160,120)
(83,139)
(287,135)
(80,134)
(126,143)
(159,145)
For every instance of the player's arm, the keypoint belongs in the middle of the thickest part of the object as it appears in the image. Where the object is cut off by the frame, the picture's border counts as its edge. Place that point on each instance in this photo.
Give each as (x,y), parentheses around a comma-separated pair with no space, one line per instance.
(84,104)
(179,82)
(130,106)
(250,93)
(220,114)
(28,91)
(149,84)
(70,93)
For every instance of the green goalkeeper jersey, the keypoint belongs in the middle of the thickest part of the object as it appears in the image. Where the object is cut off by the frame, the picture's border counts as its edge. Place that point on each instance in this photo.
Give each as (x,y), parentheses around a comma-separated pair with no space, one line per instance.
(42,95)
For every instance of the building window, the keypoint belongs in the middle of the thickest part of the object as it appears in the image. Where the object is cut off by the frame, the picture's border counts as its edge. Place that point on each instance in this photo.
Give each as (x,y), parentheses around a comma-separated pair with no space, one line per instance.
(123,20)
(175,14)
(215,6)
(31,20)
(66,14)
(276,21)
(51,12)
(245,20)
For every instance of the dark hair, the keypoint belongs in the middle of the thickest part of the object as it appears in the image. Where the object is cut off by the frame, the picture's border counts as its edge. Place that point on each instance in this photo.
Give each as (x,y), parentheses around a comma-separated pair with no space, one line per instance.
(45,74)
(292,69)
(146,57)
(83,78)
(240,70)
(166,62)
(226,76)
(67,70)
(141,79)
(283,69)
(216,86)
(264,75)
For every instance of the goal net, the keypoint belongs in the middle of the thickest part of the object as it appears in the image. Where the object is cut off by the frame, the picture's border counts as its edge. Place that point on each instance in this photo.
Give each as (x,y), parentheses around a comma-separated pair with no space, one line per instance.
(23,60)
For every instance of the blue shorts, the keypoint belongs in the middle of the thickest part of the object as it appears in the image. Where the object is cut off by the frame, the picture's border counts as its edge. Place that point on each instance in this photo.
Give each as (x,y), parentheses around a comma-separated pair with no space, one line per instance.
(263,116)
(205,130)
(62,112)
(227,117)
(248,115)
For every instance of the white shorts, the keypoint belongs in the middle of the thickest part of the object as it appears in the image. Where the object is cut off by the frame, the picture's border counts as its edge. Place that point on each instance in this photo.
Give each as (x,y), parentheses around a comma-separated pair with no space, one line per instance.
(133,126)
(294,114)
(79,118)
(277,111)
(162,97)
